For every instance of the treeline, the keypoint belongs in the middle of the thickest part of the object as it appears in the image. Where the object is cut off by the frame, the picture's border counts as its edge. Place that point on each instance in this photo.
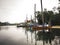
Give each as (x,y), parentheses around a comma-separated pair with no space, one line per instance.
(4,23)
(49,16)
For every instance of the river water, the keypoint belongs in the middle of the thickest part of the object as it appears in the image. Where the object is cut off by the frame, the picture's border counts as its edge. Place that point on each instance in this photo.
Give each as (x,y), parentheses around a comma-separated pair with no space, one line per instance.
(11,35)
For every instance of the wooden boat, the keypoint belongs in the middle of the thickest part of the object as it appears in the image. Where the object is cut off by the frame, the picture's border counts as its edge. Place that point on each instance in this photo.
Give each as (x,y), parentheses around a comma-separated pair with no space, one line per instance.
(41,27)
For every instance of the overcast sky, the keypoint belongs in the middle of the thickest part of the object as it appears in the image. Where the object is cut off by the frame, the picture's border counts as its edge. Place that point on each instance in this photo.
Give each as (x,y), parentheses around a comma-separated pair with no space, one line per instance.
(15,11)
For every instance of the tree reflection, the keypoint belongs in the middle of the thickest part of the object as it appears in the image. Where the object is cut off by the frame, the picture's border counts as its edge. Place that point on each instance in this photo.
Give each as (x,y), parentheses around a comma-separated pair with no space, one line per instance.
(46,36)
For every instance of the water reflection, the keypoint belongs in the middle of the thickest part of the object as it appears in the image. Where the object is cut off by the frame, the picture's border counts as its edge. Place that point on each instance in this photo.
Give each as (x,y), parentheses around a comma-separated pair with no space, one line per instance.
(4,27)
(11,35)
(51,37)
(48,37)
(30,32)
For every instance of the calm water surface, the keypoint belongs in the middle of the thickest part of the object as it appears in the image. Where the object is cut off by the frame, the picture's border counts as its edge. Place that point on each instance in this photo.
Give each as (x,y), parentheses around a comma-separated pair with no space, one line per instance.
(11,35)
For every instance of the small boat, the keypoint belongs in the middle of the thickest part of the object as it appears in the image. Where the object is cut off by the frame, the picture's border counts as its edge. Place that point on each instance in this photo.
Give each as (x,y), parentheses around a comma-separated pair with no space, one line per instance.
(21,25)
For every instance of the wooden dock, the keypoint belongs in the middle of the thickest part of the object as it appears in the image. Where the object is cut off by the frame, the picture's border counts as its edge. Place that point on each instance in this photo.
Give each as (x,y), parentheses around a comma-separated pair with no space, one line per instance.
(58,27)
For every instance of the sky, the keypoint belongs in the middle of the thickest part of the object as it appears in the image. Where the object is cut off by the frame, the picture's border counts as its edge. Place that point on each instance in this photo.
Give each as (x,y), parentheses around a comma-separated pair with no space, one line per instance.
(15,11)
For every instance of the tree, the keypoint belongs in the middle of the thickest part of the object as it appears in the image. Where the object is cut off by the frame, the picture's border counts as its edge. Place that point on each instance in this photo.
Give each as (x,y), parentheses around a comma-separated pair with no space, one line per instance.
(56,19)
(48,15)
(39,18)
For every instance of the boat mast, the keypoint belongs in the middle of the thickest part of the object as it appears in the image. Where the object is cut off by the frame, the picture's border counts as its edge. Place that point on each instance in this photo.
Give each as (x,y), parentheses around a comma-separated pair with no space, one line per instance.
(35,12)
(26,18)
(42,12)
